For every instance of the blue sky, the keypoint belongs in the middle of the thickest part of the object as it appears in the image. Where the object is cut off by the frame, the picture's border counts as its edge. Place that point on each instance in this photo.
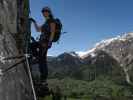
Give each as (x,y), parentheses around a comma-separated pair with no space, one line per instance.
(86,21)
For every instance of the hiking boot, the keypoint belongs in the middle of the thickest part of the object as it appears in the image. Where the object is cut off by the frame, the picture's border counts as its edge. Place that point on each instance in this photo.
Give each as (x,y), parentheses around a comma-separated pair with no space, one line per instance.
(42,89)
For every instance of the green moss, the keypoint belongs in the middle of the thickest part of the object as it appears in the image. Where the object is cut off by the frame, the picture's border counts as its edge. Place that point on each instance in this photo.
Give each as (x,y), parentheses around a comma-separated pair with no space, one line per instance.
(26,27)
(26,7)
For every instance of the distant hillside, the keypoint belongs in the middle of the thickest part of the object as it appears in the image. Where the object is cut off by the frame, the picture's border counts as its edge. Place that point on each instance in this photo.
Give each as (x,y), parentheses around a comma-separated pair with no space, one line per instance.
(112,57)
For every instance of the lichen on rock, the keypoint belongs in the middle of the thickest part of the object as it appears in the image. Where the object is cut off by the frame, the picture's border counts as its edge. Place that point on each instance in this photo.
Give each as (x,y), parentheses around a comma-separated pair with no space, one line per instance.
(14,26)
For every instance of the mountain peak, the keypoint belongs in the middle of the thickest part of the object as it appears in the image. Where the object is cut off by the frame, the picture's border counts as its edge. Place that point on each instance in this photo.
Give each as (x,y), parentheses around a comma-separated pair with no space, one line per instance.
(102,44)
(73,54)
(84,54)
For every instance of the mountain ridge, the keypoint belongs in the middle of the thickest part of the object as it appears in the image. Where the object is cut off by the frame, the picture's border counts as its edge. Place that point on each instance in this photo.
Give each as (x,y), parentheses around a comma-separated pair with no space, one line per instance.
(118,49)
(99,45)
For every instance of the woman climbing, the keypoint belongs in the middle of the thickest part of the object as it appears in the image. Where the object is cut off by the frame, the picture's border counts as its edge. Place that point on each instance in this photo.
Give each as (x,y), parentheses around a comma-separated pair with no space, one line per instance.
(41,47)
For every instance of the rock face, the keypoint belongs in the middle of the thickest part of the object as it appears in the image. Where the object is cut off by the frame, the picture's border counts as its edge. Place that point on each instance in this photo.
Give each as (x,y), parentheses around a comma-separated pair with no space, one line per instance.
(14,27)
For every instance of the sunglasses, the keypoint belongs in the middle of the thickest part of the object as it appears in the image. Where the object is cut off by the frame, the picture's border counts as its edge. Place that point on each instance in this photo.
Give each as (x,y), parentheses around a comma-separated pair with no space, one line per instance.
(45,11)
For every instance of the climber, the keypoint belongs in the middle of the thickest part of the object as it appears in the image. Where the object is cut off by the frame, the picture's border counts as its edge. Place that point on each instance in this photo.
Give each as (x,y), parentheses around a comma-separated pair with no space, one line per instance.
(47,30)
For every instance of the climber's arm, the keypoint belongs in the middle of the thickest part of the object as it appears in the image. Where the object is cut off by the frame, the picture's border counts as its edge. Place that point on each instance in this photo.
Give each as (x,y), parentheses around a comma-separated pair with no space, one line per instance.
(37,27)
(52,29)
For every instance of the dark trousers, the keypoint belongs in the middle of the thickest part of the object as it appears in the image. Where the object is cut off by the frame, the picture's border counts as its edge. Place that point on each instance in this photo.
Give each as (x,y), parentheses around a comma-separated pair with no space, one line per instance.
(39,51)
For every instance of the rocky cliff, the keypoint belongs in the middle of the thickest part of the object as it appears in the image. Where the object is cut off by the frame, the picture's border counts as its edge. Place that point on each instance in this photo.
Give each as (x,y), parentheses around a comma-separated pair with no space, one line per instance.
(14,29)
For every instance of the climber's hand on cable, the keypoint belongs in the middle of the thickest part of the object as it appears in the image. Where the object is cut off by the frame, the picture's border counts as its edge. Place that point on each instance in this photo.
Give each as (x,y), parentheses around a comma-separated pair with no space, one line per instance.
(50,44)
(32,20)
(32,39)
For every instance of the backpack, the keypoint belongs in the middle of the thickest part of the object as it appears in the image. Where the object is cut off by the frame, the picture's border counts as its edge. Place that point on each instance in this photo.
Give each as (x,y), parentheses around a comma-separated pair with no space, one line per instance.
(58,30)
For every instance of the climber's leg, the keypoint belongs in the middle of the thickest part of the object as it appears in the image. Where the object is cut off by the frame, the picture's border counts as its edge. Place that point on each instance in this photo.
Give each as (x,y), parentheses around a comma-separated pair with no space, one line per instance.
(34,49)
(43,63)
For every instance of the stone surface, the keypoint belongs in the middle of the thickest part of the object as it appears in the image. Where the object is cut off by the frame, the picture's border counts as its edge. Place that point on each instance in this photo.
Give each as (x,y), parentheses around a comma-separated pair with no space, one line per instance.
(14,84)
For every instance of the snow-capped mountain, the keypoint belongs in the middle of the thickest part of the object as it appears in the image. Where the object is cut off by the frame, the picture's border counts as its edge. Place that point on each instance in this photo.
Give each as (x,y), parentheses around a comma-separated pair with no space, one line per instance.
(120,48)
(90,52)
(102,45)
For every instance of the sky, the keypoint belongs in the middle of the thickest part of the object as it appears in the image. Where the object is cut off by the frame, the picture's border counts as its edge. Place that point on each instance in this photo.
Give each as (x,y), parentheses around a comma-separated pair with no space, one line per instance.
(85,21)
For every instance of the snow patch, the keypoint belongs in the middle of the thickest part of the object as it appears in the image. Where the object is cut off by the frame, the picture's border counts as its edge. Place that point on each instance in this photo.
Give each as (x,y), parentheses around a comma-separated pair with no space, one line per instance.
(85,54)
(106,42)
(74,54)
(103,44)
